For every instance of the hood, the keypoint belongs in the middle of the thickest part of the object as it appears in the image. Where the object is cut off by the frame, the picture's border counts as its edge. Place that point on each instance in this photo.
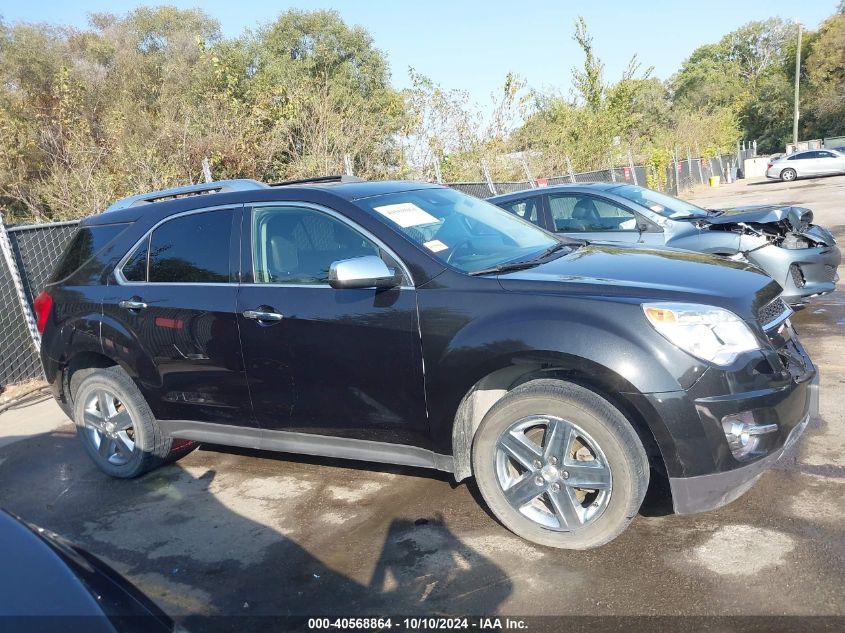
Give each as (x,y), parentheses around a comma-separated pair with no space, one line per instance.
(651,273)
(798,218)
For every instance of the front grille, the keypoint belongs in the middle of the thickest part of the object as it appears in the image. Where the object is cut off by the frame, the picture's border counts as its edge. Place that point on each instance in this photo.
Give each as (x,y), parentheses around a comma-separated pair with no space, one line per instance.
(830,273)
(797,276)
(772,312)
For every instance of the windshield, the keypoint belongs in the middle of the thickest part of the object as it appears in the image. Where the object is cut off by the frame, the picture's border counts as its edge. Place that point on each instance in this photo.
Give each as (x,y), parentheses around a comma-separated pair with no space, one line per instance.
(667,206)
(462,231)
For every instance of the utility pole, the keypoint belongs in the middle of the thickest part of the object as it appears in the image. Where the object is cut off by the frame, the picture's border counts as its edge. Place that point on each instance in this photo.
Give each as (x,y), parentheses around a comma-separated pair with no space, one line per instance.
(797,81)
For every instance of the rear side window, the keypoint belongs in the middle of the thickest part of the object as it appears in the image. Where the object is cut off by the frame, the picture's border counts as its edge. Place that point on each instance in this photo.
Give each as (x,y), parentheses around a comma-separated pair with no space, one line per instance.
(86,242)
(135,269)
(188,249)
(527,209)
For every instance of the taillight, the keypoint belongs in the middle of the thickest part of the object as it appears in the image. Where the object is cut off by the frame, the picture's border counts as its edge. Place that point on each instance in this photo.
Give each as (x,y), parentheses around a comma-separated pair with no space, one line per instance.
(43,304)
(769,166)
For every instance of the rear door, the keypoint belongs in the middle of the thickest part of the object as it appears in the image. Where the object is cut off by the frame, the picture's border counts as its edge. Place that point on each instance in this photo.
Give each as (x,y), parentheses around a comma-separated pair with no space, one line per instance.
(806,164)
(338,362)
(170,315)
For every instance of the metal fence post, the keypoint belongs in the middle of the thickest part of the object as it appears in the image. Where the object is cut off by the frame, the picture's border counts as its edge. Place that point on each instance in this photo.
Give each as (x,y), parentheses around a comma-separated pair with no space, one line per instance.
(569,168)
(631,167)
(700,172)
(437,173)
(206,170)
(490,184)
(689,165)
(610,163)
(9,258)
(721,165)
(528,175)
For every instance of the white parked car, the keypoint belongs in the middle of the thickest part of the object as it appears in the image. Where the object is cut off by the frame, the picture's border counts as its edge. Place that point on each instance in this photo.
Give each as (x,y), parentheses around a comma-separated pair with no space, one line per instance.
(813,162)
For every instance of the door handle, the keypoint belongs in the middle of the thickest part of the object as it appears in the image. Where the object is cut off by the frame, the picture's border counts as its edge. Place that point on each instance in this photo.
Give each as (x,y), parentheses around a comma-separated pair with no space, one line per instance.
(260,315)
(132,305)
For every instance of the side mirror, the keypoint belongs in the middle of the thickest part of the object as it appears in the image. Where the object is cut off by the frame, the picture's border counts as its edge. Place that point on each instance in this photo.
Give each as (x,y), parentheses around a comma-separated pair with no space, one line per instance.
(362,272)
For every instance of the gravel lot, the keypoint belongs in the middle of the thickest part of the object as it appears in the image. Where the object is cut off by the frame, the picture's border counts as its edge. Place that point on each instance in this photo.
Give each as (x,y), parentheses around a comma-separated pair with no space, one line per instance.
(252,533)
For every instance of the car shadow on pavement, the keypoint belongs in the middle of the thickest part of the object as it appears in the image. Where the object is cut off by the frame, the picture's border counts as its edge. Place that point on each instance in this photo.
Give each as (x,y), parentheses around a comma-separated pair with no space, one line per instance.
(205,540)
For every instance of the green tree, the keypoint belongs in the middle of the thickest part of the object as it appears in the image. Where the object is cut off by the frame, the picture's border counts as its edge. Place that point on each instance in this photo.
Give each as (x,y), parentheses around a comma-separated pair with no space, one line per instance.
(825,64)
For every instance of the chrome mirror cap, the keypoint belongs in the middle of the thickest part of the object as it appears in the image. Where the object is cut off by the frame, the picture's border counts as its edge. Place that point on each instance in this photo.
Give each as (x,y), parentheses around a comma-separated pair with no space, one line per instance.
(362,272)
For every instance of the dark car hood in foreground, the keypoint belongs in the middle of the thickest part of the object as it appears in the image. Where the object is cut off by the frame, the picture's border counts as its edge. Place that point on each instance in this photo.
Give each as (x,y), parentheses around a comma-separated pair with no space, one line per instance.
(798,218)
(48,584)
(652,273)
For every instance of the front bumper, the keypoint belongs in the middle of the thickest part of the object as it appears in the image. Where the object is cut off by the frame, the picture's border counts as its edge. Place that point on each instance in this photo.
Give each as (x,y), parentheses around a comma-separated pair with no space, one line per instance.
(802,272)
(710,491)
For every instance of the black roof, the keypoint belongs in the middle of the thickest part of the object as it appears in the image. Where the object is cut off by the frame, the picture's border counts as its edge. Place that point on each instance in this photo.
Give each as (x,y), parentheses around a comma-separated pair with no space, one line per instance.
(312,190)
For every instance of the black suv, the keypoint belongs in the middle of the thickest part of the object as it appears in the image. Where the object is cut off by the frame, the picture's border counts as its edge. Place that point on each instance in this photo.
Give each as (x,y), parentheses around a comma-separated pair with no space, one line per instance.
(408,323)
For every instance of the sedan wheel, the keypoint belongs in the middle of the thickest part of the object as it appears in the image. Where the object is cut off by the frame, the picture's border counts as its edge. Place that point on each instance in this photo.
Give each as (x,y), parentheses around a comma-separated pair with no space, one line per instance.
(788,175)
(109,427)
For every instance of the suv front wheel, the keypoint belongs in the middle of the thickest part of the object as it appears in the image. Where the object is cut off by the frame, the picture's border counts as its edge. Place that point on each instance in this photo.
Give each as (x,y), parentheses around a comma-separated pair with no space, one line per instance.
(559,465)
(117,428)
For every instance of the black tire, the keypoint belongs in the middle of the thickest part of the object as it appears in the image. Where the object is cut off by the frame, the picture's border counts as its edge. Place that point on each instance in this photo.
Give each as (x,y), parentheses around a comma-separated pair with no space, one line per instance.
(788,175)
(585,412)
(150,446)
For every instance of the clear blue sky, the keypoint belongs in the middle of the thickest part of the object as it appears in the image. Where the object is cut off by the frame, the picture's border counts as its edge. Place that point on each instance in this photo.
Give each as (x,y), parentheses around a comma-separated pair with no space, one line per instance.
(473,44)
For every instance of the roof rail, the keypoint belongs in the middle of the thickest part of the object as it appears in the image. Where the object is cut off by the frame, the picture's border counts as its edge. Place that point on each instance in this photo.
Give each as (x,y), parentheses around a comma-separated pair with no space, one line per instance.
(216,186)
(318,180)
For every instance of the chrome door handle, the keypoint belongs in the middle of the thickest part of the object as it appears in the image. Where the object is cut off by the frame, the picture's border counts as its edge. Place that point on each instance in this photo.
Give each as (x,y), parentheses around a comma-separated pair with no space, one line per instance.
(132,305)
(258,315)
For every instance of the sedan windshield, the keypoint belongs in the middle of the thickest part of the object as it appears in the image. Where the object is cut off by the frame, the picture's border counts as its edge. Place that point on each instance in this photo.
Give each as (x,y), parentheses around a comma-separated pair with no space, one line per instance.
(465,232)
(667,206)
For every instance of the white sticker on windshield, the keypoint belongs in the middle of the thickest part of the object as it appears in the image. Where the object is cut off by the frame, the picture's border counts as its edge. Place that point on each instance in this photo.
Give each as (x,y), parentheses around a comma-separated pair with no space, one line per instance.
(406,214)
(435,246)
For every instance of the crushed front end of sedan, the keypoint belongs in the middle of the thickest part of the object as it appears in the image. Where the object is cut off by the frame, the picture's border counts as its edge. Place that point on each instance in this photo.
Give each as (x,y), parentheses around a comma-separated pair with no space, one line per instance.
(779,239)
(783,241)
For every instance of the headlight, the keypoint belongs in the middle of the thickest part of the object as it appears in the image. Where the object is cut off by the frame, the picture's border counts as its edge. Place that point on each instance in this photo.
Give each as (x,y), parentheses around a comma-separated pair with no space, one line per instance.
(707,332)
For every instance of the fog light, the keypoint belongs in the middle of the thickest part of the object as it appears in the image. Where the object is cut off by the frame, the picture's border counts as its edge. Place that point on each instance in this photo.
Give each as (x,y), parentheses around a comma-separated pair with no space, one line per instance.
(744,435)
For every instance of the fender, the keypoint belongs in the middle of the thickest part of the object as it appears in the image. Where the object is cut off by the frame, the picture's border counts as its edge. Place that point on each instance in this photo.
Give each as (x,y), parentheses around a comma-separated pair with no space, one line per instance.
(590,338)
(129,351)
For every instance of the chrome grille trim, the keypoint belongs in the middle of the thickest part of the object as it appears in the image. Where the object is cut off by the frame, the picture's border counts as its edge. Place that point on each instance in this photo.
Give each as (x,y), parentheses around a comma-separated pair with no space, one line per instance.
(773,314)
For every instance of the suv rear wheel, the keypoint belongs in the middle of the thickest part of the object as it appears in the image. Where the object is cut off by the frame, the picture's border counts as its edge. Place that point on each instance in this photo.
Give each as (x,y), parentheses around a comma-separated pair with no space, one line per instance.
(117,428)
(559,465)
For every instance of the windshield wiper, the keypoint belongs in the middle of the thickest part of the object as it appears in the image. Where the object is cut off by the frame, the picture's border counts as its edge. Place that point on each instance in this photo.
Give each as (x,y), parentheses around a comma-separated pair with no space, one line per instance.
(505,268)
(554,248)
(528,263)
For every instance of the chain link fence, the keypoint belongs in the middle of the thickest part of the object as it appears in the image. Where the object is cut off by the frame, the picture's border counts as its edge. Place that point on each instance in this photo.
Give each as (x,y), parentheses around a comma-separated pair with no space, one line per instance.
(34,251)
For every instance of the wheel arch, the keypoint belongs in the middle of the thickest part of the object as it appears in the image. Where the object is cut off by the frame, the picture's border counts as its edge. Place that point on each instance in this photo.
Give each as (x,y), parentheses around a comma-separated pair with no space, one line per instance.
(588,374)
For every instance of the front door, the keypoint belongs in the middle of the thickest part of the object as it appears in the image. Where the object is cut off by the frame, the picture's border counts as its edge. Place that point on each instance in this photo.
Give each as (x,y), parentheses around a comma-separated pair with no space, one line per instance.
(338,362)
(587,217)
(171,307)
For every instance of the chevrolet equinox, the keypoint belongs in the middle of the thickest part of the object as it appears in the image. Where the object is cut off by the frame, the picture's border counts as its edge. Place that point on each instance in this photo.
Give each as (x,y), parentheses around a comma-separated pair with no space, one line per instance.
(407,323)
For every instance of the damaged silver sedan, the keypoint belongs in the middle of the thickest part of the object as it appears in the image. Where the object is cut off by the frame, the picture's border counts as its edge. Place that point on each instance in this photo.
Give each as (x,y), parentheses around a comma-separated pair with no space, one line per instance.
(781,239)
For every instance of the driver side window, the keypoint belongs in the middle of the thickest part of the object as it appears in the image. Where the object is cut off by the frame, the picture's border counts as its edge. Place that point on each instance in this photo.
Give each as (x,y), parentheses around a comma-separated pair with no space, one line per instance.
(580,213)
(292,245)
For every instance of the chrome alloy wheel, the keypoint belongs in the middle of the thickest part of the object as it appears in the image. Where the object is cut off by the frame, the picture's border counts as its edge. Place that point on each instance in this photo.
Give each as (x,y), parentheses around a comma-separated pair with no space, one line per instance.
(109,427)
(552,472)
